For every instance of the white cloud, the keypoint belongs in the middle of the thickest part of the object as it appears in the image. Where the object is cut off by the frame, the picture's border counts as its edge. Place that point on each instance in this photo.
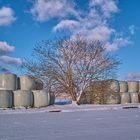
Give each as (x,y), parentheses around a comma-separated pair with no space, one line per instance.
(5,60)
(117,43)
(106,7)
(6,16)
(93,23)
(44,10)
(101,33)
(10,60)
(5,47)
(133,76)
(132,29)
(69,24)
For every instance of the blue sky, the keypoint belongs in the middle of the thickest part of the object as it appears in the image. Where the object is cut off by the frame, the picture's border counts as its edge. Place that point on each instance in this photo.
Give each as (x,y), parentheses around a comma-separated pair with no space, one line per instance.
(116,23)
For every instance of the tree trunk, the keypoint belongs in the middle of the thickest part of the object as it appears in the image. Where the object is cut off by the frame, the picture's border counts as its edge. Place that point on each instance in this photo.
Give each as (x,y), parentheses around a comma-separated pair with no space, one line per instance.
(79,97)
(73,96)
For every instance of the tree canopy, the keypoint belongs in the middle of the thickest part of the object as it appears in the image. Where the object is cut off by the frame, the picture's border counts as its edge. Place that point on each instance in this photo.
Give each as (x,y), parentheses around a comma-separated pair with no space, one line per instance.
(70,65)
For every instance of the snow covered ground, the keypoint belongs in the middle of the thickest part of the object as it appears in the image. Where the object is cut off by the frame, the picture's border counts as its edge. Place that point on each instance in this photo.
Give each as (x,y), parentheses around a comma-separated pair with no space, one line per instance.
(85,122)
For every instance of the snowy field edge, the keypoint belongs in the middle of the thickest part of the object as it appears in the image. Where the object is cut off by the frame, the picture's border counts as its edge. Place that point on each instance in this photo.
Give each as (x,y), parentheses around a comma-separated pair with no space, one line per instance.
(68,108)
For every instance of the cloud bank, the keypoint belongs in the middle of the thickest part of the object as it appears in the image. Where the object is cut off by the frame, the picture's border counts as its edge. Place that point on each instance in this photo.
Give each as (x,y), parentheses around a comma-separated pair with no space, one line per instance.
(10,60)
(5,60)
(5,47)
(133,76)
(7,17)
(92,23)
(44,10)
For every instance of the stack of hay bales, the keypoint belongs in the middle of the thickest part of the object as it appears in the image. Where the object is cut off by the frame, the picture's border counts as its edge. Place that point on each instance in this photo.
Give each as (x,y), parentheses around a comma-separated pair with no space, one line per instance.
(24,91)
(113,89)
(23,97)
(93,94)
(125,95)
(133,89)
(8,83)
(129,91)
(112,92)
(102,92)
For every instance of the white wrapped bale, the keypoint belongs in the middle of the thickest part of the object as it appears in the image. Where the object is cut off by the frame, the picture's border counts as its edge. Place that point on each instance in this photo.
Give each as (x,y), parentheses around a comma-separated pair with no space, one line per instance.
(27,82)
(114,99)
(41,98)
(125,97)
(23,98)
(133,86)
(5,98)
(123,86)
(113,85)
(8,82)
(134,97)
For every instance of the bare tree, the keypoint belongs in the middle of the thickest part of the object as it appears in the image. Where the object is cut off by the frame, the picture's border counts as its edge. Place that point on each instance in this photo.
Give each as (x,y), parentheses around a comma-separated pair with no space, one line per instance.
(71,65)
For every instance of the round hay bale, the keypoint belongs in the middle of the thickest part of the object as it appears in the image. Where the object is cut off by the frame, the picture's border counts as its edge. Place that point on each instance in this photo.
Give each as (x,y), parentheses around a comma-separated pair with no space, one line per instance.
(134,97)
(125,97)
(114,99)
(123,86)
(95,92)
(113,85)
(5,98)
(23,98)
(97,100)
(27,82)
(8,82)
(133,86)
(41,98)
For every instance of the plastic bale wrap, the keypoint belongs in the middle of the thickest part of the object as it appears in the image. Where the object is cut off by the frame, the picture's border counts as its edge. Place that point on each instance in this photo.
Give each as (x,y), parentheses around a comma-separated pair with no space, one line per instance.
(123,86)
(134,97)
(8,82)
(27,83)
(23,98)
(41,98)
(112,89)
(5,99)
(113,85)
(114,98)
(125,97)
(133,86)
(97,92)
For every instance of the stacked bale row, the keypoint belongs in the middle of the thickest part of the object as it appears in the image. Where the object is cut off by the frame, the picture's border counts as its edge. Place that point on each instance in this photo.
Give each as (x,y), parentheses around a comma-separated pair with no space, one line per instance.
(23,91)
(129,91)
(102,92)
(122,92)
(112,92)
